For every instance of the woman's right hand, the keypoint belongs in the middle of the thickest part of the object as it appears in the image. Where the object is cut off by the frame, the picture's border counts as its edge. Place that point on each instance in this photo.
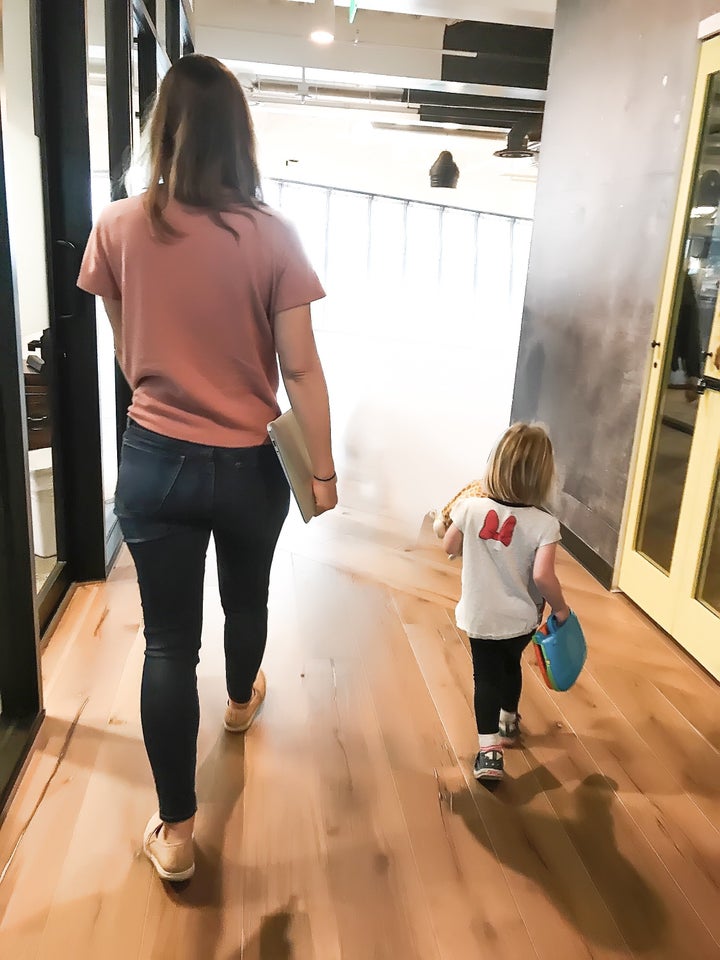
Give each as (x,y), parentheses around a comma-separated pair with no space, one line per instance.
(561,614)
(325,493)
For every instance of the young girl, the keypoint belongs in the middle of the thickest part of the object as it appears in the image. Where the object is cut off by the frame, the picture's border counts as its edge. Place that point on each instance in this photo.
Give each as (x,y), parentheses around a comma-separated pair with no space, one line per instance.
(508,545)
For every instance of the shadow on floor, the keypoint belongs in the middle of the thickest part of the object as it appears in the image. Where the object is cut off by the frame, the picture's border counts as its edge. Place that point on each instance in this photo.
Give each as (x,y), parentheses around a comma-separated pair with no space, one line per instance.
(523,838)
(273,940)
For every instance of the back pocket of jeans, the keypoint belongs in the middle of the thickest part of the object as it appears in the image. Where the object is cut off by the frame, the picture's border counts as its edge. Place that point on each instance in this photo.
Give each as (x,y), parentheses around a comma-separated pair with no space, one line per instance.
(146,479)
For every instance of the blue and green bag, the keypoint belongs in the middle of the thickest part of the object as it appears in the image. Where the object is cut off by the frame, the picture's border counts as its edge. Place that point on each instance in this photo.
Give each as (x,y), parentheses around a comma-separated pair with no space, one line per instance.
(561,651)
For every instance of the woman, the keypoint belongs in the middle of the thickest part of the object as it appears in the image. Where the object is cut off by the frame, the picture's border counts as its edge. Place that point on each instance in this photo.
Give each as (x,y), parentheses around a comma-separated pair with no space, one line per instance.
(203,286)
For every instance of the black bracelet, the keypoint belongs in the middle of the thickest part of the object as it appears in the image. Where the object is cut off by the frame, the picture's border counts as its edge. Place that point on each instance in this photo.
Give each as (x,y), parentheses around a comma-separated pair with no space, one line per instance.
(325,479)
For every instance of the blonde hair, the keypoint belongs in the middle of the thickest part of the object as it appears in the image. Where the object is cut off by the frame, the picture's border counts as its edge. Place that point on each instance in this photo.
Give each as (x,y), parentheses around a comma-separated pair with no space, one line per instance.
(521,469)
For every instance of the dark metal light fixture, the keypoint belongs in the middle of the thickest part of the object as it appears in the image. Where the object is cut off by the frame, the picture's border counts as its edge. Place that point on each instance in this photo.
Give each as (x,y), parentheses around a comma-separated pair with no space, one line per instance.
(519,139)
(444,172)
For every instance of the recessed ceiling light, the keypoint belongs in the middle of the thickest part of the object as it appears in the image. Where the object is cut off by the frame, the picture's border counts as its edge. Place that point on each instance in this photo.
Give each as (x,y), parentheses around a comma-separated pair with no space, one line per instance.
(323,37)
(322,22)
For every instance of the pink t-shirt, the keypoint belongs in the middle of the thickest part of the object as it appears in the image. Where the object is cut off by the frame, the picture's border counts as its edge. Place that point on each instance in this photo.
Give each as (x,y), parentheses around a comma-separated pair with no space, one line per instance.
(196,339)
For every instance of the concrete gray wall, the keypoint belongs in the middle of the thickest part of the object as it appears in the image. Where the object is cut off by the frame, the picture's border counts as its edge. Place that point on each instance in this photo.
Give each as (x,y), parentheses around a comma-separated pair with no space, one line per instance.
(622,75)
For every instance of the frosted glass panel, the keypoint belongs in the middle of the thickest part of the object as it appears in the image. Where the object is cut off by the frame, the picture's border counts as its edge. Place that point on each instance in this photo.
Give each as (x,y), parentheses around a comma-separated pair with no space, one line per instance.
(522,233)
(100,195)
(271,193)
(416,294)
(459,244)
(423,244)
(306,207)
(494,262)
(387,240)
(405,265)
(348,242)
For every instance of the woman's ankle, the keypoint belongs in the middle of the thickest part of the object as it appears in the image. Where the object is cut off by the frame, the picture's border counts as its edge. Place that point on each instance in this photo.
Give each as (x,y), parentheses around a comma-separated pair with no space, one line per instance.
(236,705)
(177,832)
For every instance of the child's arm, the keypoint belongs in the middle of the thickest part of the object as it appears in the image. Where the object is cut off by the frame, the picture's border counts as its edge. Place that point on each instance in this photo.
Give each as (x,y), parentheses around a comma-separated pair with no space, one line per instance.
(547,582)
(453,541)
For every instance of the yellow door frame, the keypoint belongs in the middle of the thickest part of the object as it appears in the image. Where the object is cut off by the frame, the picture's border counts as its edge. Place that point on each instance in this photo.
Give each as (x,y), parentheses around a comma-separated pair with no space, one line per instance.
(666,598)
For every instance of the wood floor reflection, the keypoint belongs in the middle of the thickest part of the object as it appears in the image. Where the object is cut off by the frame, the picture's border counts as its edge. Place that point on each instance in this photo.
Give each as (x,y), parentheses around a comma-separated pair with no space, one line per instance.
(347,823)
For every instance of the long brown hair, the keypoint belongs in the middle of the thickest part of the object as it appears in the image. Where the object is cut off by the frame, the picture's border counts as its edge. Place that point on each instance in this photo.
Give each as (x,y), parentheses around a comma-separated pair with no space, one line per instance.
(521,469)
(201,145)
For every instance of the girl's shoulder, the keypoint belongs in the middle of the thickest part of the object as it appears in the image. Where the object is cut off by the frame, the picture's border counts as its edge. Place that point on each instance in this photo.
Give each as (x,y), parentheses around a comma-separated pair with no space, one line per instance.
(474,502)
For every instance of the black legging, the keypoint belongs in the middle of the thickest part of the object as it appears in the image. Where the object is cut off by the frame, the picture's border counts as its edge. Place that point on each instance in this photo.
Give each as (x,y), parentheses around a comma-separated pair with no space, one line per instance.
(171,496)
(498,679)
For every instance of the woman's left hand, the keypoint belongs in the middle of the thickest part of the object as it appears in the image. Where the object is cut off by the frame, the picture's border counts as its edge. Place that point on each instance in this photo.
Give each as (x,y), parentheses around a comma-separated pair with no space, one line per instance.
(325,493)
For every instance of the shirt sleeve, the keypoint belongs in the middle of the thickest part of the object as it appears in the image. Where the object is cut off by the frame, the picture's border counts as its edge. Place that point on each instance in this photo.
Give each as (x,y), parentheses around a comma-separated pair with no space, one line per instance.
(295,282)
(550,532)
(96,273)
(458,515)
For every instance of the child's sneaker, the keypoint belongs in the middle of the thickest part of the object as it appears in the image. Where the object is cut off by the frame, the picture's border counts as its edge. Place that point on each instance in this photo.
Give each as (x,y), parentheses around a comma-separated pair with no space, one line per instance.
(489,764)
(510,732)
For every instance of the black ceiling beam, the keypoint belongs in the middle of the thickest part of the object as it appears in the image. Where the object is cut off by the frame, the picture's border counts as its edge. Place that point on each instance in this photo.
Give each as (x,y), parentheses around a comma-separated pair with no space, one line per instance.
(436,98)
(478,118)
(507,55)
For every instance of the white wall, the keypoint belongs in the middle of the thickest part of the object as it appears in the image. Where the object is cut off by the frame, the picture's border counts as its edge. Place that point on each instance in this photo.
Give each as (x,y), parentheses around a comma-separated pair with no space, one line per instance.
(340,148)
(23,171)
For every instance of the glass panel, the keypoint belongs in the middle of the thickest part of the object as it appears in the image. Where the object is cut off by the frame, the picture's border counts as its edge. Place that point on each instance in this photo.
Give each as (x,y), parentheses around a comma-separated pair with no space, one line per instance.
(387,243)
(494,263)
(423,246)
(386,280)
(708,591)
(521,237)
(100,187)
(347,258)
(306,208)
(459,240)
(135,83)
(26,223)
(271,193)
(693,310)
(160,23)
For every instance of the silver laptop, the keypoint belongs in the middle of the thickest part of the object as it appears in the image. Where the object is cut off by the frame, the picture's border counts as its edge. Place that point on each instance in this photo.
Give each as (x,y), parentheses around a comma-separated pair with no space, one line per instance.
(289,444)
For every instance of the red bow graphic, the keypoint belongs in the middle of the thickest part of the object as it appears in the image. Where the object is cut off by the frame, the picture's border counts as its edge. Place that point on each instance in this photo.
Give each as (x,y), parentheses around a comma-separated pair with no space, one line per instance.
(490,529)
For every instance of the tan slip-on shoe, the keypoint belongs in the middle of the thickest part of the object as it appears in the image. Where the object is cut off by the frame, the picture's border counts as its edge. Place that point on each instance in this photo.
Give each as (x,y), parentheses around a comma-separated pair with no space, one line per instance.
(173,861)
(239,719)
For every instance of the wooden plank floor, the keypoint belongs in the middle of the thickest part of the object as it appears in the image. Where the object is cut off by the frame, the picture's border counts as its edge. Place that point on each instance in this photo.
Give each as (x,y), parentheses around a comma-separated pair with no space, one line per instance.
(347,823)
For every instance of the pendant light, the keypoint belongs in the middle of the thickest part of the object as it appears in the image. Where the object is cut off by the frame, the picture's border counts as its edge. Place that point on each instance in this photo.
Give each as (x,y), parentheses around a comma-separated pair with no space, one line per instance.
(322,22)
(444,172)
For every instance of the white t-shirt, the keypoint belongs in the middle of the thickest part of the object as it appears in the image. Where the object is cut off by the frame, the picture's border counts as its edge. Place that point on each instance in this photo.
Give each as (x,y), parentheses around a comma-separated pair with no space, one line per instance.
(499,597)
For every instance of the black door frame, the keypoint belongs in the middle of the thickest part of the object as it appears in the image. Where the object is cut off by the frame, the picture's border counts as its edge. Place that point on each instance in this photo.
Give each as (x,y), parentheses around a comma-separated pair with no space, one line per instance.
(20,686)
(62,103)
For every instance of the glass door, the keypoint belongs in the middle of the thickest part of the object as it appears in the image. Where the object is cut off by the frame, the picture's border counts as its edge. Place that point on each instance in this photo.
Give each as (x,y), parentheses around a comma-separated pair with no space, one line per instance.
(20,695)
(26,221)
(100,188)
(671,557)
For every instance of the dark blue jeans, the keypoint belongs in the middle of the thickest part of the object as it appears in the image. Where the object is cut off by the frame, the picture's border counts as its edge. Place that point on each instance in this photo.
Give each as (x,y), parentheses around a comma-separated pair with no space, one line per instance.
(171,496)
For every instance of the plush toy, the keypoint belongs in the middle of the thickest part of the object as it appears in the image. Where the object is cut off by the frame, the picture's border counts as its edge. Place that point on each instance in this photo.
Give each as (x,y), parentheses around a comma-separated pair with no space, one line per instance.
(442,518)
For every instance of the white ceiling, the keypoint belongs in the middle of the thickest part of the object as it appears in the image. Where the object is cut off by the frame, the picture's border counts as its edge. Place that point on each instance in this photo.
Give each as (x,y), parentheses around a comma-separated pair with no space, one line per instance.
(539,13)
